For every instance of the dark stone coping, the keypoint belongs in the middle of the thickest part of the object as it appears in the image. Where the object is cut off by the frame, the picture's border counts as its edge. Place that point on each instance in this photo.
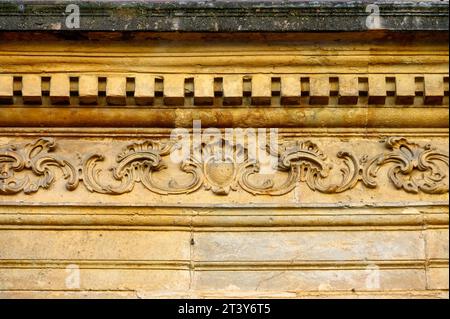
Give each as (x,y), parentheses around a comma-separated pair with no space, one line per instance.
(224,16)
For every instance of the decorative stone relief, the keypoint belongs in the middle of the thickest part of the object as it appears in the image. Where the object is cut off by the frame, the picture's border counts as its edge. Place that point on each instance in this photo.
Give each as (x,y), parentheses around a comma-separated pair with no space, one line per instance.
(37,158)
(136,164)
(231,90)
(411,167)
(409,158)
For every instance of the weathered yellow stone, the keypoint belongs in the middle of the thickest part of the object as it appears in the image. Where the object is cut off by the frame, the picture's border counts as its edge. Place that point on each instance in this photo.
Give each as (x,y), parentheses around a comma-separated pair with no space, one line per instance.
(437,243)
(319,89)
(319,281)
(101,245)
(174,90)
(88,89)
(144,89)
(261,89)
(233,88)
(355,117)
(290,90)
(6,88)
(348,89)
(94,279)
(434,89)
(91,204)
(203,90)
(377,89)
(405,89)
(116,90)
(60,89)
(437,277)
(31,89)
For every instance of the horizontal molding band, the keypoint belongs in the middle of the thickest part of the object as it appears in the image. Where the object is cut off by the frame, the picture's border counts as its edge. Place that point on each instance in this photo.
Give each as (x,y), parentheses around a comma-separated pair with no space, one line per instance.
(78,205)
(214,294)
(350,218)
(317,265)
(228,229)
(219,90)
(95,264)
(335,62)
(148,46)
(434,53)
(256,117)
(223,265)
(161,133)
(225,16)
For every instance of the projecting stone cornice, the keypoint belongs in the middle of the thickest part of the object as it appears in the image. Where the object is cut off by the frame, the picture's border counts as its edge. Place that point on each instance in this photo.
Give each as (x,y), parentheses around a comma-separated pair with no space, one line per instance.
(232,82)
(221,90)
(225,16)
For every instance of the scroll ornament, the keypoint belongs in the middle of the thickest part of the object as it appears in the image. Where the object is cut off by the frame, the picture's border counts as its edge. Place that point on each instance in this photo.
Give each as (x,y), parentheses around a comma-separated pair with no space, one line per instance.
(409,158)
(37,158)
(410,167)
(137,163)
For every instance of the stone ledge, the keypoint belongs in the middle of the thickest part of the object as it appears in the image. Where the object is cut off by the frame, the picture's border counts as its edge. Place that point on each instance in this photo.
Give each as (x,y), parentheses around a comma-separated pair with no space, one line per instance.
(253,117)
(224,16)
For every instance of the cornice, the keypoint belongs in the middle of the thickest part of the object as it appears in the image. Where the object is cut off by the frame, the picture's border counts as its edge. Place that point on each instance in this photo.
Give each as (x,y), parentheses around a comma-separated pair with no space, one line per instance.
(225,16)
(222,90)
(283,81)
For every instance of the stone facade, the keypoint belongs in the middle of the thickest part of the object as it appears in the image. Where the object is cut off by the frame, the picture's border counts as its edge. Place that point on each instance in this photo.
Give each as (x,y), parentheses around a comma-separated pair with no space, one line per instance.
(93,205)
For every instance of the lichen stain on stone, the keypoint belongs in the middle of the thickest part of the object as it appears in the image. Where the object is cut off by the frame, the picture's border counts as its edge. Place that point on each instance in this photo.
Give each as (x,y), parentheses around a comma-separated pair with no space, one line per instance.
(175,24)
(55,26)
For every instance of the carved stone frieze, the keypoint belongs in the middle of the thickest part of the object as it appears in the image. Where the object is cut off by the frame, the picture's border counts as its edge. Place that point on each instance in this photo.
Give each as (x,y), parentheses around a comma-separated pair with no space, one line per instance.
(415,168)
(411,167)
(38,159)
(135,164)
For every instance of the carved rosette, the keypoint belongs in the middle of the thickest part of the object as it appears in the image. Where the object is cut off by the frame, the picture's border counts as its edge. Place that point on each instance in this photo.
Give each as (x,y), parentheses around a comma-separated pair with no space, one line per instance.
(223,166)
